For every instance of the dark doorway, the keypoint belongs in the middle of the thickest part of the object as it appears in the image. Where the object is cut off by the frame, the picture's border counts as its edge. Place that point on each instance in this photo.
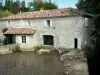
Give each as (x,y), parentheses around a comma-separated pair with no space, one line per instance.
(48,40)
(75,43)
(8,39)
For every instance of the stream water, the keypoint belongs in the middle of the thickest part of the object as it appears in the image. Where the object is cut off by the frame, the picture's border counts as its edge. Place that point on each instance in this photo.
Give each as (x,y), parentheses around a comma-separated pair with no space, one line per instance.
(30,63)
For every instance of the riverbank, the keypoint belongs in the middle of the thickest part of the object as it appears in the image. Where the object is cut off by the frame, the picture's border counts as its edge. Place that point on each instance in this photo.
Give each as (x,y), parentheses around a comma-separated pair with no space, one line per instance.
(74,61)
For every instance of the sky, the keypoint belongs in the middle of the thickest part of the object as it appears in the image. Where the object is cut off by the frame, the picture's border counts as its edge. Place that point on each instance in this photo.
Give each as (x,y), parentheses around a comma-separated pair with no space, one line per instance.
(62,3)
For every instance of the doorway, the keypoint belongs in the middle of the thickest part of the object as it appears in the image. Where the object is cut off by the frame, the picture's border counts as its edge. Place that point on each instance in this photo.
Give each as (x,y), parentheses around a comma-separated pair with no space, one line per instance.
(75,43)
(48,40)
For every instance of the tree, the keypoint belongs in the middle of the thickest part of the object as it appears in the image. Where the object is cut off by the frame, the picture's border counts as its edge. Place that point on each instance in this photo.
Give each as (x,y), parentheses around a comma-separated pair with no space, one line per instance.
(37,5)
(93,7)
(15,6)
(1,4)
(48,5)
(5,13)
(90,6)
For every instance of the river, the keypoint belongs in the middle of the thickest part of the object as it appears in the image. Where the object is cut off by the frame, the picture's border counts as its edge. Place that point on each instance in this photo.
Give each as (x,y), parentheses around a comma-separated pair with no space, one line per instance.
(30,63)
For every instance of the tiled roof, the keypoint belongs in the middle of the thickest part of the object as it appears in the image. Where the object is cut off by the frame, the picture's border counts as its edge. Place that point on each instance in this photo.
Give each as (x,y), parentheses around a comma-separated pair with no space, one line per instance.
(47,14)
(20,31)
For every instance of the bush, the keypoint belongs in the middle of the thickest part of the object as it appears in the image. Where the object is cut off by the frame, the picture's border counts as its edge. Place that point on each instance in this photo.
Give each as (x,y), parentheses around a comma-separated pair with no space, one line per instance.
(4,30)
(1,42)
(5,13)
(5,41)
(88,51)
(16,49)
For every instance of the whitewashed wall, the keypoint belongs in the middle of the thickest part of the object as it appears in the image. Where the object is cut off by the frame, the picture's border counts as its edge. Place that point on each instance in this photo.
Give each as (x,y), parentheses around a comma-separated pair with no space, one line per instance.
(29,39)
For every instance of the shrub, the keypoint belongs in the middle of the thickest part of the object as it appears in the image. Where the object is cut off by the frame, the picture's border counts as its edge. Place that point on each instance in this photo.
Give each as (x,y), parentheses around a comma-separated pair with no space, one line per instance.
(88,51)
(5,41)
(5,13)
(1,42)
(4,30)
(16,49)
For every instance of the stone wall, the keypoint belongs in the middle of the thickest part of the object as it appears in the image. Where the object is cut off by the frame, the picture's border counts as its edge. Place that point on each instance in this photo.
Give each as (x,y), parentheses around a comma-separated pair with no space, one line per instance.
(75,63)
(64,30)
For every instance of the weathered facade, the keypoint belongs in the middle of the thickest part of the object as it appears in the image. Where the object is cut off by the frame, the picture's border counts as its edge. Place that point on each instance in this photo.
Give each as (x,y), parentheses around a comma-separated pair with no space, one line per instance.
(60,31)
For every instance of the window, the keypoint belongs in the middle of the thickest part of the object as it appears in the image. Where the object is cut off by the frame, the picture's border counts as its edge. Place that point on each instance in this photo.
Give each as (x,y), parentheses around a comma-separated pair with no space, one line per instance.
(86,22)
(75,43)
(29,22)
(9,23)
(48,40)
(48,22)
(23,39)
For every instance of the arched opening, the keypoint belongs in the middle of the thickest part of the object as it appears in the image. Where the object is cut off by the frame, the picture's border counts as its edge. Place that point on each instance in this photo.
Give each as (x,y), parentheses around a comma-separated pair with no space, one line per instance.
(48,40)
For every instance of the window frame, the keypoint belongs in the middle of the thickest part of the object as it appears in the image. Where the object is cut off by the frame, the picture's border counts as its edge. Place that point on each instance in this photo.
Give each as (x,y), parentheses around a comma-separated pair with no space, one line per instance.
(24,39)
(48,24)
(9,22)
(86,22)
(29,22)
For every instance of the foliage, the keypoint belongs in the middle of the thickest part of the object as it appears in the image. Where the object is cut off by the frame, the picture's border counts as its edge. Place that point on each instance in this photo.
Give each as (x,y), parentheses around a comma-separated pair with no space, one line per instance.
(4,30)
(16,49)
(5,41)
(97,22)
(1,6)
(97,31)
(15,6)
(47,6)
(90,6)
(5,13)
(93,7)
(88,51)
(1,42)
(37,5)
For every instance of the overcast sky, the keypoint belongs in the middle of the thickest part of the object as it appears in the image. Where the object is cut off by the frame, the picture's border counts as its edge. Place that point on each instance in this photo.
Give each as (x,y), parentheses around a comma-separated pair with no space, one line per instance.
(62,3)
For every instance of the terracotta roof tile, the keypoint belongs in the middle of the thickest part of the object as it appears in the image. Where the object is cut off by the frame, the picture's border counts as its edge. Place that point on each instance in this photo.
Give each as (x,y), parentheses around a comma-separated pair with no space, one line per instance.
(20,31)
(47,14)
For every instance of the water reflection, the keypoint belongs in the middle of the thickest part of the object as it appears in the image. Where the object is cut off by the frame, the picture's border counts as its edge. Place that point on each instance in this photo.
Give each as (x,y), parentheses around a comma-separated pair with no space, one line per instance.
(30,63)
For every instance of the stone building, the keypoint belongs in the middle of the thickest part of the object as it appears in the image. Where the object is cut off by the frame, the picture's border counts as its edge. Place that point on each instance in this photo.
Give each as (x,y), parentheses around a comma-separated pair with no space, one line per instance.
(60,28)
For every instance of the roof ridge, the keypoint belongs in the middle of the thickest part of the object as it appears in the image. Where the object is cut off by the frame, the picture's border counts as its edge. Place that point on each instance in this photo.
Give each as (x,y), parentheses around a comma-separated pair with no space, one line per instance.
(47,14)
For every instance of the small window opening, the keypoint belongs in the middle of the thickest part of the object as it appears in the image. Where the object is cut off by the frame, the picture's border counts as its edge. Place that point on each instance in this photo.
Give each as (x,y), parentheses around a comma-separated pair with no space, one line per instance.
(75,43)
(9,23)
(86,22)
(29,22)
(23,39)
(48,22)
(48,40)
